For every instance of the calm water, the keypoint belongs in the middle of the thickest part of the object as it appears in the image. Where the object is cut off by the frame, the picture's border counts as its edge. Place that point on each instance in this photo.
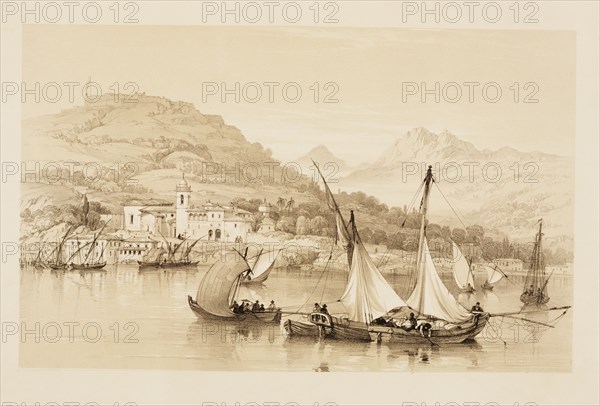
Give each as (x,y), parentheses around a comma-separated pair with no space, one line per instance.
(123,318)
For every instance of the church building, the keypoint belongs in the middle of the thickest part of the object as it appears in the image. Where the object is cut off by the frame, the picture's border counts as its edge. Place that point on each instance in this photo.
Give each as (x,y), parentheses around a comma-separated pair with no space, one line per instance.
(209,221)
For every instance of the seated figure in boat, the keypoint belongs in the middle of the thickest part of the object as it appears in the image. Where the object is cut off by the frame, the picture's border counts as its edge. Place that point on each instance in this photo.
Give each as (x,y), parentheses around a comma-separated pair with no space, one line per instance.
(255,306)
(410,323)
(424,328)
(316,308)
(477,308)
(469,287)
(235,306)
(272,306)
(530,290)
(393,323)
(324,309)
(261,309)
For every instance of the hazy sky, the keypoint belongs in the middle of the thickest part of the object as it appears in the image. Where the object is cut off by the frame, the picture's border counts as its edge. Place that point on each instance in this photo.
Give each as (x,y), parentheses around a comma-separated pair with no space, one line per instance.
(367,66)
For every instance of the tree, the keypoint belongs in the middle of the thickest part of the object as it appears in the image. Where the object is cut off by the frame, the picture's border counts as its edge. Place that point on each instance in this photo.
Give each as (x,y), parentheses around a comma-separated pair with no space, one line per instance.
(85,209)
(459,235)
(318,226)
(434,231)
(291,204)
(379,237)
(395,240)
(301,225)
(475,233)
(281,203)
(287,224)
(446,232)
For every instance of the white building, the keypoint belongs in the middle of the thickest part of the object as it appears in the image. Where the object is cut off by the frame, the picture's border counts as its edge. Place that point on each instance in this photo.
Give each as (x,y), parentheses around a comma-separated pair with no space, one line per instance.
(509,265)
(211,222)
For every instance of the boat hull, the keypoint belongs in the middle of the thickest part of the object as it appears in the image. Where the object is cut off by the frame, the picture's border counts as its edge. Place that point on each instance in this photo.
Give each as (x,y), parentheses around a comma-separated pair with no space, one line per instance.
(487,286)
(58,267)
(166,265)
(534,299)
(354,331)
(467,290)
(182,264)
(328,327)
(88,267)
(259,317)
(466,331)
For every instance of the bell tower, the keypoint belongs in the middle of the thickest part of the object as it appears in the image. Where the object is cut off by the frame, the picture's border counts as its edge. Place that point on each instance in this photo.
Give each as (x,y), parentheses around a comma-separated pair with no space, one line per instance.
(182,204)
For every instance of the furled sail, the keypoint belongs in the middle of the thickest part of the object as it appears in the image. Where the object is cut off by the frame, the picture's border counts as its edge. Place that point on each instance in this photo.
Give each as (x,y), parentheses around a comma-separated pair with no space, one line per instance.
(536,276)
(493,275)
(431,297)
(462,271)
(214,292)
(342,233)
(154,254)
(367,295)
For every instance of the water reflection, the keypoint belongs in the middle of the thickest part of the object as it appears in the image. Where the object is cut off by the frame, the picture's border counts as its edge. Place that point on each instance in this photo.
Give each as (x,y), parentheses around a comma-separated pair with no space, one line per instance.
(170,336)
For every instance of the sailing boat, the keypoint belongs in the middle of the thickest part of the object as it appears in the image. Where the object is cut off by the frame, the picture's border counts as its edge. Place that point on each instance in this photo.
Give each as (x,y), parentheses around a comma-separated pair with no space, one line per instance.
(494,275)
(219,289)
(261,266)
(535,291)
(171,261)
(367,296)
(58,263)
(448,321)
(93,260)
(463,275)
(153,258)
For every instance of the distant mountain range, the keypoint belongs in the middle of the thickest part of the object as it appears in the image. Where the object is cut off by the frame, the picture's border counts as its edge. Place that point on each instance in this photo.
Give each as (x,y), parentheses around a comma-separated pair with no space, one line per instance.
(505,189)
(331,164)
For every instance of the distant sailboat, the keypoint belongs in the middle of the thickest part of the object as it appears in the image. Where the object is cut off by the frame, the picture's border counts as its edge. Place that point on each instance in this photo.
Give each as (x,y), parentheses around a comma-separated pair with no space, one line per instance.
(261,266)
(92,260)
(494,275)
(219,289)
(463,275)
(58,263)
(152,258)
(159,258)
(535,291)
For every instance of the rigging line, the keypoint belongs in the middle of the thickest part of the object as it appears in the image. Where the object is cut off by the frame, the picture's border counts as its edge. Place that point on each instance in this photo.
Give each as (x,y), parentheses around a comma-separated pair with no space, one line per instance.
(450,205)
(315,288)
(327,276)
(408,209)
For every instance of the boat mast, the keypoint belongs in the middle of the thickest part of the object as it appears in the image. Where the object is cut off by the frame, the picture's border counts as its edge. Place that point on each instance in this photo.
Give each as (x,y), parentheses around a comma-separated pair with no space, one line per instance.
(424,206)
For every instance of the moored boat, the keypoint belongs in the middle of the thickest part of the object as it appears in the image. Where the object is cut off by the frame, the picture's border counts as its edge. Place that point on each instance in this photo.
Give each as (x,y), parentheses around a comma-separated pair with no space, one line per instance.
(261,267)
(494,275)
(535,291)
(89,266)
(461,269)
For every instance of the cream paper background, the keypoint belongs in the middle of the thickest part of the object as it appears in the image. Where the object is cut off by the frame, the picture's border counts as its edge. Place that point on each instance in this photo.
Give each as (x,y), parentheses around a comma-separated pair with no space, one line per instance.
(183,387)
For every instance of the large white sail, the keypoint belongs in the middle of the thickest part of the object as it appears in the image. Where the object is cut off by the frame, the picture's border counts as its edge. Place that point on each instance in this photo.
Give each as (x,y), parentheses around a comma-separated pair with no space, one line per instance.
(494,275)
(431,297)
(462,271)
(367,295)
